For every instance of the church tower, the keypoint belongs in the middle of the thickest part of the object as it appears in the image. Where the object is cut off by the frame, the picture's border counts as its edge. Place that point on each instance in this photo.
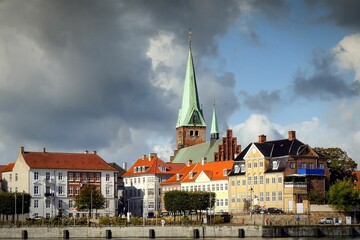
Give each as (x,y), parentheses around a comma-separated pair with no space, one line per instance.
(191,126)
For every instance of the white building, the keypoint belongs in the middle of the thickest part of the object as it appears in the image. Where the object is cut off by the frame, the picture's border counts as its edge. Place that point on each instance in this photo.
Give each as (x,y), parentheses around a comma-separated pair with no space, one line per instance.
(53,179)
(142,184)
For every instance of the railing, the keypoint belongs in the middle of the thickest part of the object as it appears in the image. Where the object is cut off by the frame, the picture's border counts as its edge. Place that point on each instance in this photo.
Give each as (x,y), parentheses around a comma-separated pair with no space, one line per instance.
(49,194)
(295,185)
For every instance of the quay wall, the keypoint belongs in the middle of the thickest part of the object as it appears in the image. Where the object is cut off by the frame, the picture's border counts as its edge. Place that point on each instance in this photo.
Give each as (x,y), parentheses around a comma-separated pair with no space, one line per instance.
(236,231)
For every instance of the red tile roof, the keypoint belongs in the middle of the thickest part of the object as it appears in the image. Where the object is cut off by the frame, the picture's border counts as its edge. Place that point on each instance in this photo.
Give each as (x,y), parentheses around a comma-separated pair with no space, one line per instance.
(8,167)
(152,166)
(214,171)
(81,161)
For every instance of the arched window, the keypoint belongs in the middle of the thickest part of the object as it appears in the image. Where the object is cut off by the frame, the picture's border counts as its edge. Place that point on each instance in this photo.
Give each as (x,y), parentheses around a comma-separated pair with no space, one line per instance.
(191,133)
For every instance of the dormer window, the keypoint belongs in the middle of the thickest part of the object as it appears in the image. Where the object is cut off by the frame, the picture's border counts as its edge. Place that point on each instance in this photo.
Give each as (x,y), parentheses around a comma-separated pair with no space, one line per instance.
(162,168)
(242,167)
(143,168)
(225,172)
(275,165)
(178,176)
(236,169)
(191,175)
(135,169)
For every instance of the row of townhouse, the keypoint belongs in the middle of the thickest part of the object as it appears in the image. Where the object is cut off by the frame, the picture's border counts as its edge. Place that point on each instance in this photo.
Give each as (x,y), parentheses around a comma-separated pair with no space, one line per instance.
(278,173)
(53,179)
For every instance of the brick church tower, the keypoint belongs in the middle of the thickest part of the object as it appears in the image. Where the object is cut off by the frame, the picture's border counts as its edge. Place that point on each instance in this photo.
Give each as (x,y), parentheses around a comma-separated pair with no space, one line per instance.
(191,126)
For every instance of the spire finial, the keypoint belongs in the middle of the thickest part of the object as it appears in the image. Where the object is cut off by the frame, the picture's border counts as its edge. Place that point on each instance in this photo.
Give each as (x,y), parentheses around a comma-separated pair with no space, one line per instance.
(190,37)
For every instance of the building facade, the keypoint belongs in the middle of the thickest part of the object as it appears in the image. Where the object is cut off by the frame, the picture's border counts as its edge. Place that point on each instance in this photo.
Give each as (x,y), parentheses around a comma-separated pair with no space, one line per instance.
(54,179)
(142,184)
(278,173)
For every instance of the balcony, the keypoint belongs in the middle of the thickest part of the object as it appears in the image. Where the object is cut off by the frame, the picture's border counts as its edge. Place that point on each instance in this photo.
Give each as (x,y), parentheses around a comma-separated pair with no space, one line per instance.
(48,195)
(295,188)
(308,171)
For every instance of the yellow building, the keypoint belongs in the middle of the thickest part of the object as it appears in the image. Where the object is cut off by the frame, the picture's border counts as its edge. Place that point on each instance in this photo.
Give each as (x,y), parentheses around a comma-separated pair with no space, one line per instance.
(275,174)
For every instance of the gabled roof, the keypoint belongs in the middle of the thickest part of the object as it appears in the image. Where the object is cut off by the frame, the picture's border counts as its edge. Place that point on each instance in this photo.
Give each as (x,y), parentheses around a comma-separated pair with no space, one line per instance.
(119,169)
(2,167)
(8,167)
(153,166)
(197,152)
(182,173)
(76,161)
(213,170)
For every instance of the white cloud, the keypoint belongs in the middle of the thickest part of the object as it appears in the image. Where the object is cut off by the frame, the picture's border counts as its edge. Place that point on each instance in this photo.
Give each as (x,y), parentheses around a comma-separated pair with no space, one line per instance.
(347,53)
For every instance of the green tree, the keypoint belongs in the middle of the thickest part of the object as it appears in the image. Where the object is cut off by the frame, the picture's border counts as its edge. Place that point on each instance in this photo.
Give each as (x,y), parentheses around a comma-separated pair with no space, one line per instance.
(316,197)
(339,163)
(7,203)
(343,196)
(89,198)
(177,201)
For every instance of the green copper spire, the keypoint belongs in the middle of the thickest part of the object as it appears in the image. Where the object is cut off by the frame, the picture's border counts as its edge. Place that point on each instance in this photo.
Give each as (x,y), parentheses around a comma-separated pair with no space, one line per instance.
(214,125)
(190,112)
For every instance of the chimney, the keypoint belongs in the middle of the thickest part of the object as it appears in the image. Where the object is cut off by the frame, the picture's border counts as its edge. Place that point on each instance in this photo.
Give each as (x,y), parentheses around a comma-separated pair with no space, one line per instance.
(143,157)
(94,152)
(189,162)
(262,138)
(86,151)
(125,166)
(151,155)
(44,150)
(203,161)
(21,150)
(292,135)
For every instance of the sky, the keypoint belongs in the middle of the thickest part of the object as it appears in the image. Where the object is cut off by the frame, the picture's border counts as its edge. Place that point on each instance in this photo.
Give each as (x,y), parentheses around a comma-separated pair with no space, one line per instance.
(108,76)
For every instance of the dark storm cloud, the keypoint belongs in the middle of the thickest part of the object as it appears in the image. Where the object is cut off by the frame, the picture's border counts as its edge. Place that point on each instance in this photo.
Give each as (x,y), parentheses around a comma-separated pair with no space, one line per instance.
(262,101)
(325,83)
(344,12)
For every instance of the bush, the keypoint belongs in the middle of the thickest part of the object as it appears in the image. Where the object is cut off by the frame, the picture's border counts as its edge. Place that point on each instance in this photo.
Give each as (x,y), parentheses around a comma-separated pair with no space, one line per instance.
(137,221)
(217,220)
(105,221)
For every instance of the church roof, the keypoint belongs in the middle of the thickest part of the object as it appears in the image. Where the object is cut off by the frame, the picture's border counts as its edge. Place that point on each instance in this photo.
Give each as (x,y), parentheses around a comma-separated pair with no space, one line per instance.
(197,152)
(190,112)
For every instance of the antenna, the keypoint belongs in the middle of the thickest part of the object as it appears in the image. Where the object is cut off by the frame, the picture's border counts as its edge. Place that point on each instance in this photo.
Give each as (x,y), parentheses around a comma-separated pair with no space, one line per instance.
(189,37)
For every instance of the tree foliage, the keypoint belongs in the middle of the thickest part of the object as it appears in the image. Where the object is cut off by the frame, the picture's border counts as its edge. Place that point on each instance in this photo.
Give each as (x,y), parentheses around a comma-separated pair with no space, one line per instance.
(89,197)
(316,197)
(7,203)
(183,201)
(339,163)
(343,196)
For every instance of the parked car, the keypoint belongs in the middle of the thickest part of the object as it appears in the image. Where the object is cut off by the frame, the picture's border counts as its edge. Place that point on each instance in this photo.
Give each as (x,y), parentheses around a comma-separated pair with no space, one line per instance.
(275,211)
(259,210)
(326,220)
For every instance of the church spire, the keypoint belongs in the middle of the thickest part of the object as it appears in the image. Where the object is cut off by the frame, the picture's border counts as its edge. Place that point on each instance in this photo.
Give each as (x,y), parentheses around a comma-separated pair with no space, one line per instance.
(214,133)
(190,126)
(190,112)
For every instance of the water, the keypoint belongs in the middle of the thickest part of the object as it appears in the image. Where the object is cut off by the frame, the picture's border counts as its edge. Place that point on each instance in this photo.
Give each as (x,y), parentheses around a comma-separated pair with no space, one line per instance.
(252,238)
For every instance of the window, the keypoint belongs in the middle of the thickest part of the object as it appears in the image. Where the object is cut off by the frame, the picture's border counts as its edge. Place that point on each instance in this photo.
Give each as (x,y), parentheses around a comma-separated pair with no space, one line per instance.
(71,203)
(36,175)
(97,177)
(134,179)
(249,165)
(47,203)
(221,187)
(91,177)
(60,203)
(261,196)
(232,198)
(77,176)
(16,177)
(70,190)
(221,202)
(225,172)
(267,196)
(279,179)
(321,166)
(275,165)
(10,177)
(273,197)
(47,176)
(61,190)
(36,203)
(16,189)
(213,187)
(267,180)
(261,179)
(255,180)
(60,175)
(242,167)
(84,176)
(225,186)
(244,182)
(217,187)
(236,169)
(311,165)
(135,169)
(238,199)
(36,190)
(292,165)
(232,183)
(208,187)
(196,133)
(71,177)
(249,180)
(280,195)
(143,168)
(108,177)
(255,165)
(273,180)
(303,165)
(261,164)
(77,190)
(237,182)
